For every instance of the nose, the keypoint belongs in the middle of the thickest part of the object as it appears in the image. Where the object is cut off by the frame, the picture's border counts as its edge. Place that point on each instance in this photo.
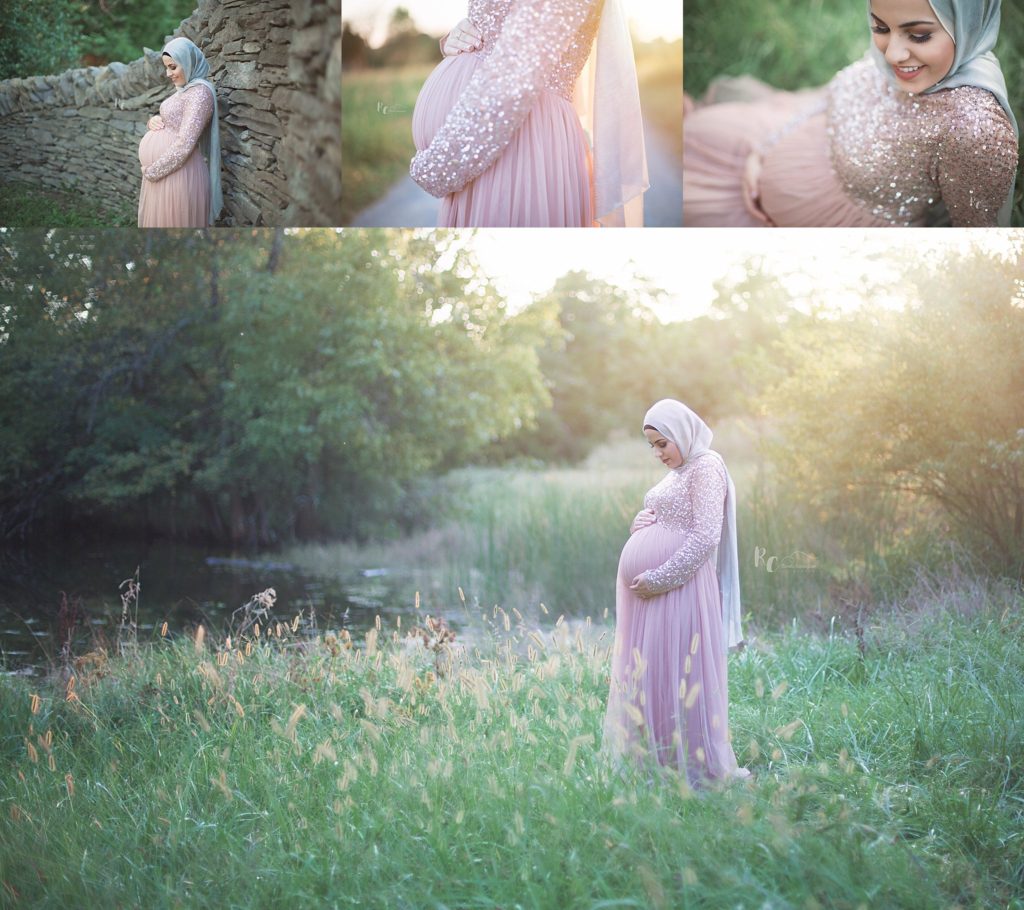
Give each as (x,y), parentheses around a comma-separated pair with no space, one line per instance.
(896,50)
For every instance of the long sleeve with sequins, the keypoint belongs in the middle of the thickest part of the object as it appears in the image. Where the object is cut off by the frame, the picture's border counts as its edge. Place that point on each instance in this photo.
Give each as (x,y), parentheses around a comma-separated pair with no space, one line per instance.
(533,39)
(696,508)
(976,162)
(198,108)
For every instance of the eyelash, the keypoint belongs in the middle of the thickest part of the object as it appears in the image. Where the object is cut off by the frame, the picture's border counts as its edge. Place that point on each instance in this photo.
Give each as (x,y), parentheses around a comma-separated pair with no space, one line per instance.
(917,39)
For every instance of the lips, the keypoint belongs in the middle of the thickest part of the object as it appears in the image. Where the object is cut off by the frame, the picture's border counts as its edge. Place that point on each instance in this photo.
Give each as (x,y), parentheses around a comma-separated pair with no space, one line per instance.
(907,73)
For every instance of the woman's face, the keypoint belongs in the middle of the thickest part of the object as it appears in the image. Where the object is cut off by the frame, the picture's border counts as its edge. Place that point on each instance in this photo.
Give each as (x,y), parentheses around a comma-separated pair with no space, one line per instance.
(665,450)
(173,70)
(913,42)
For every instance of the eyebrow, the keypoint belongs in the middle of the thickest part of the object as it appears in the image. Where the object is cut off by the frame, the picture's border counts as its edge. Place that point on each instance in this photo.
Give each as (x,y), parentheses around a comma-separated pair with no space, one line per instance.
(908,24)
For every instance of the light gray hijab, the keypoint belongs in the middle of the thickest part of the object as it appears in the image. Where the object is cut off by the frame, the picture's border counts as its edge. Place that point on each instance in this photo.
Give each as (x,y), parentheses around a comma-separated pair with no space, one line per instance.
(196,68)
(677,423)
(974,27)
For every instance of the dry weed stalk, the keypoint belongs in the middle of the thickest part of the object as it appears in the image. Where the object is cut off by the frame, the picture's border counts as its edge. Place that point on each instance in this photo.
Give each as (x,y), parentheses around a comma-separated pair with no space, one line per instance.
(437,637)
(128,631)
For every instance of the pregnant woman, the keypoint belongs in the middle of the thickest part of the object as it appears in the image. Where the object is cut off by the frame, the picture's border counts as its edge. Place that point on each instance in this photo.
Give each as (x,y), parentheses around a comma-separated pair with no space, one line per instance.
(918,133)
(676,613)
(533,118)
(180,153)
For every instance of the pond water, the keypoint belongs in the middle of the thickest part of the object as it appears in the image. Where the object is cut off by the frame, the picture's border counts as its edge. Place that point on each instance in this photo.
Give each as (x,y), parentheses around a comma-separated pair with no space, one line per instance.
(180,585)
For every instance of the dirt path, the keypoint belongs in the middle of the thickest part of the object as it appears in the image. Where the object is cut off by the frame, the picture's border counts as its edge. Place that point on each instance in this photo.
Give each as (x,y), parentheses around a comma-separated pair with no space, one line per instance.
(406,205)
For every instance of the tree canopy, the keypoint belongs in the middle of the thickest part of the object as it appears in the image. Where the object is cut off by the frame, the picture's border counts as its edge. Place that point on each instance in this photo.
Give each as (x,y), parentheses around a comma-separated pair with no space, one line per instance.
(246,386)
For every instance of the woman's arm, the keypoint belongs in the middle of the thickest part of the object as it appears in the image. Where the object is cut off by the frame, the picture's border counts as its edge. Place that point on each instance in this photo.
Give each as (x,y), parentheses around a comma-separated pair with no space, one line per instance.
(707,496)
(976,164)
(501,93)
(197,113)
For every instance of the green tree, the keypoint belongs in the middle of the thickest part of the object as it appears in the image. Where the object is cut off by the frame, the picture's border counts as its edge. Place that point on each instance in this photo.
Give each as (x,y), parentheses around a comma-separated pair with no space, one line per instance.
(38,37)
(891,413)
(246,386)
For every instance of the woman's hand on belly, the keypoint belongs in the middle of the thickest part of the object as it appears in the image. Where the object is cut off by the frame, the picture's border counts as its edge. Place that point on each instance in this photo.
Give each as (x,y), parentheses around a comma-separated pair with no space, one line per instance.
(463,38)
(640,587)
(644,518)
(751,188)
(155,122)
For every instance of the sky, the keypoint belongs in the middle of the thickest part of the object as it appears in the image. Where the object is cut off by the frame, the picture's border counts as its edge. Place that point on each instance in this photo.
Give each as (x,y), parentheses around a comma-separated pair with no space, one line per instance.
(524,263)
(650,19)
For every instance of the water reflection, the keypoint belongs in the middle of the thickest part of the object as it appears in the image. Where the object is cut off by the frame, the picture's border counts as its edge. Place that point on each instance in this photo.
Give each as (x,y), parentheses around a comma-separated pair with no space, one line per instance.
(180,585)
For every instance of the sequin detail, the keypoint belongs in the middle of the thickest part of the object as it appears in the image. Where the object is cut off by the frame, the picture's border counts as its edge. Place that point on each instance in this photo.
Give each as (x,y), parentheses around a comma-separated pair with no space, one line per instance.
(690,501)
(529,46)
(903,156)
(187,113)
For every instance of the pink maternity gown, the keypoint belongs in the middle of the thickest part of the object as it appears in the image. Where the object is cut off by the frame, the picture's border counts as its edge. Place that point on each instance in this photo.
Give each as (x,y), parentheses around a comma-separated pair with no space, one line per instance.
(668,698)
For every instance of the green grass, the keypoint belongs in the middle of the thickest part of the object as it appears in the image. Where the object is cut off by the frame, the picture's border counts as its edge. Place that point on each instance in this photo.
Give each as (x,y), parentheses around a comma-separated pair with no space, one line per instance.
(23,205)
(310,774)
(376,134)
(793,44)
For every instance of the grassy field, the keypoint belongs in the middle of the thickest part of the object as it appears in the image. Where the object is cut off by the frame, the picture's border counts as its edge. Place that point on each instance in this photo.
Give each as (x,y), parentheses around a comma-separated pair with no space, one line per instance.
(773,42)
(275,771)
(376,132)
(22,205)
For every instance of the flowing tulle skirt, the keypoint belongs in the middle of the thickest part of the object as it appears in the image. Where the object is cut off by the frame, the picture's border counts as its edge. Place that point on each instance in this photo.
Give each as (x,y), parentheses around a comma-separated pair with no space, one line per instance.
(798,186)
(543,177)
(668,700)
(182,198)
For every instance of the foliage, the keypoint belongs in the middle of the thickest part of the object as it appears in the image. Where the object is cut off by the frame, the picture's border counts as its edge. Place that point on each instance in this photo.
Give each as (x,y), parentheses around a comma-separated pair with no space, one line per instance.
(301,772)
(791,45)
(246,386)
(120,29)
(47,36)
(38,37)
(885,413)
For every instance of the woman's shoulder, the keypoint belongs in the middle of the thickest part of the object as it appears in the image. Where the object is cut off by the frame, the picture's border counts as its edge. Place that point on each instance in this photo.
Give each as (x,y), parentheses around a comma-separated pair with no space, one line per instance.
(194,90)
(970,106)
(710,464)
(860,74)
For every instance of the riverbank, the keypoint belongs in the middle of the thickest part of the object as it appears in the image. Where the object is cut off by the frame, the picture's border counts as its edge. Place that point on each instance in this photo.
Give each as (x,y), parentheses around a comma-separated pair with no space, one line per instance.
(276,769)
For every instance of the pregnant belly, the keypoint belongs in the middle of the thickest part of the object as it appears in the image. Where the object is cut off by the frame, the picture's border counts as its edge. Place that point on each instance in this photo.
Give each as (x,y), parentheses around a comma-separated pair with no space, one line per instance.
(154,144)
(647,549)
(439,95)
(799,186)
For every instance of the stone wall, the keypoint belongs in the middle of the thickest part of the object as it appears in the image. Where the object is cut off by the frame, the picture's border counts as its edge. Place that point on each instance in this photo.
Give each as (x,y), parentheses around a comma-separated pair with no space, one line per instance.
(277,68)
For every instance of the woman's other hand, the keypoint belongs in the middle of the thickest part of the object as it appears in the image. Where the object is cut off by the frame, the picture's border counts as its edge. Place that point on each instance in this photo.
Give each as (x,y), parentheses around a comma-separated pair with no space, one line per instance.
(462,39)
(155,123)
(643,518)
(751,184)
(640,587)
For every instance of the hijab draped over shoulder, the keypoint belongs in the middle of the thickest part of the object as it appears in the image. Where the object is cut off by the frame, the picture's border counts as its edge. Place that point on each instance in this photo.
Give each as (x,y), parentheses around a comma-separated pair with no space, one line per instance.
(974,27)
(607,100)
(677,423)
(196,68)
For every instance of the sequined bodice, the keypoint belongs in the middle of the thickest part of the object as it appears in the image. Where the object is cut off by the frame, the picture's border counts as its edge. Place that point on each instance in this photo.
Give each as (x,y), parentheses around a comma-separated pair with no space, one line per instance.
(563,71)
(689,501)
(186,114)
(903,157)
(684,495)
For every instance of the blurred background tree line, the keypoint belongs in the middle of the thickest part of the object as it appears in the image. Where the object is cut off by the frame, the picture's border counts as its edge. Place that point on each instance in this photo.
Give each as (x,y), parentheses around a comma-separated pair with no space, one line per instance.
(49,36)
(259,387)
